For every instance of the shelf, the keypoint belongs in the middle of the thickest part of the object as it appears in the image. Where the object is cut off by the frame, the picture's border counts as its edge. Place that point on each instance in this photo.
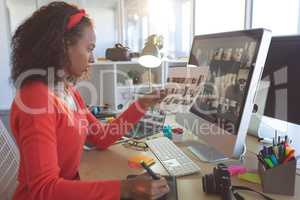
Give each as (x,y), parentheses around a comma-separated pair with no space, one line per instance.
(135,61)
(114,88)
(138,86)
(109,62)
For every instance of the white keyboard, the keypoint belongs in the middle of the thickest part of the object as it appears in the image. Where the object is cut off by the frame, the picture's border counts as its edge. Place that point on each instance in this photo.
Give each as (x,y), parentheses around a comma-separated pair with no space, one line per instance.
(171,157)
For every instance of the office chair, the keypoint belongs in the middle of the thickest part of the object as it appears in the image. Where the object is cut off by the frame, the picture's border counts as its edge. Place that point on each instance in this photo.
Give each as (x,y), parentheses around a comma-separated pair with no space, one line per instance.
(9,163)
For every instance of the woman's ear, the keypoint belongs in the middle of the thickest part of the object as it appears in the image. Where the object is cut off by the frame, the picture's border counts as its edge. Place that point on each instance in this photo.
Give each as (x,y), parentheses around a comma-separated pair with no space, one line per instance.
(69,48)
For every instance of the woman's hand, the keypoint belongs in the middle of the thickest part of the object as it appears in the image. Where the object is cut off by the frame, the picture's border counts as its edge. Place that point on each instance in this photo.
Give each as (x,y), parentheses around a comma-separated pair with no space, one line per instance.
(152,98)
(144,187)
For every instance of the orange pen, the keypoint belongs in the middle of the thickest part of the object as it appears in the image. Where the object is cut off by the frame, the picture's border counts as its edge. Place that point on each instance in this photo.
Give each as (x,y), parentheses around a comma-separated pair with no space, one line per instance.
(288,149)
(289,156)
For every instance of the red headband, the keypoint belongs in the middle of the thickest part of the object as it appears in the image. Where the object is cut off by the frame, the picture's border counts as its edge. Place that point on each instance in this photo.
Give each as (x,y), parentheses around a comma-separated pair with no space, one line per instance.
(75,19)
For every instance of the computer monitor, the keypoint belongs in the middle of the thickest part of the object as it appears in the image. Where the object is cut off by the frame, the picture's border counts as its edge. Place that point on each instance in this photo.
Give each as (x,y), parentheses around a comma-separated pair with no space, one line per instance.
(221,113)
(278,94)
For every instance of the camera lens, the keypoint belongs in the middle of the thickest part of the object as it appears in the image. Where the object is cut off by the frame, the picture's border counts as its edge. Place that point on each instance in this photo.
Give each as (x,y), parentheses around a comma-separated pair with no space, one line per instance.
(209,184)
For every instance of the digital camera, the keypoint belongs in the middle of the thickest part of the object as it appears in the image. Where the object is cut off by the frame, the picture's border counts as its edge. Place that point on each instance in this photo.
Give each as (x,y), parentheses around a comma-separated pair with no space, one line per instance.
(218,182)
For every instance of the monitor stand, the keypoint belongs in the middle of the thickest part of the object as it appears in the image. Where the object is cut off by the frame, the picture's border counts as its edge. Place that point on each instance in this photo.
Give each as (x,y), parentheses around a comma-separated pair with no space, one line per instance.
(205,152)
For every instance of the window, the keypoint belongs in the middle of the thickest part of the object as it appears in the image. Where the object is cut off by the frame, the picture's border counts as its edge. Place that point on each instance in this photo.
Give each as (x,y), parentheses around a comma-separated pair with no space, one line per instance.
(281,16)
(219,16)
(170,18)
(136,23)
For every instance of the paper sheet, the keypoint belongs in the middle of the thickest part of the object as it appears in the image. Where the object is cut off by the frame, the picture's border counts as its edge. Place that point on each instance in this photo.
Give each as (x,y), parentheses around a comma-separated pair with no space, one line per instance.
(183,85)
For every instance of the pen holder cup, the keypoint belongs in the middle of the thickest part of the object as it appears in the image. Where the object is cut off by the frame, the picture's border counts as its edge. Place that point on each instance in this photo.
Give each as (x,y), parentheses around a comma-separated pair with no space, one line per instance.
(279,179)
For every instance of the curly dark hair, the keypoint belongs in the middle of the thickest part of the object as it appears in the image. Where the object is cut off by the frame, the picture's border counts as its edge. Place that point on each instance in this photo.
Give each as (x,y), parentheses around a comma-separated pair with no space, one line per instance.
(41,41)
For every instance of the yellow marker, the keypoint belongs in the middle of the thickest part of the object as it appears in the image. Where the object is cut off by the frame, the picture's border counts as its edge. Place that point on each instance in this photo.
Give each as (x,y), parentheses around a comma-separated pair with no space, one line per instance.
(250,177)
(135,161)
(110,119)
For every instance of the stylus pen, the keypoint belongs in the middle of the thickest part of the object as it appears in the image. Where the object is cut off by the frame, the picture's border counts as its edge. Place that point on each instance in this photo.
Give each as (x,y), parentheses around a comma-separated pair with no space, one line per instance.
(149,170)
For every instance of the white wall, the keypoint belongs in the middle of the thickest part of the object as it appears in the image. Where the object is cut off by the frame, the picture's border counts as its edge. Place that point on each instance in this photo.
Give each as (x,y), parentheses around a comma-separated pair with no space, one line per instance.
(19,10)
(104,15)
(45,2)
(6,91)
(105,28)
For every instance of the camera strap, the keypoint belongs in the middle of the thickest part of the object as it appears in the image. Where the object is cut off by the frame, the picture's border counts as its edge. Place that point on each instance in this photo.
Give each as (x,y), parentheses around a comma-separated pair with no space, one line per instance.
(239,197)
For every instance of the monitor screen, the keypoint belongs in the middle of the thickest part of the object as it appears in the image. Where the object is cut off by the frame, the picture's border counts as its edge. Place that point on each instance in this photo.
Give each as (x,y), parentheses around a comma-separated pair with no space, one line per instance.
(281,72)
(230,59)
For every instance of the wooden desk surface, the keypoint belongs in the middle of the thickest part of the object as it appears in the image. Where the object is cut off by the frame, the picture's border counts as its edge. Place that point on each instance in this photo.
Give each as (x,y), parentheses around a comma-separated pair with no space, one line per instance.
(112,164)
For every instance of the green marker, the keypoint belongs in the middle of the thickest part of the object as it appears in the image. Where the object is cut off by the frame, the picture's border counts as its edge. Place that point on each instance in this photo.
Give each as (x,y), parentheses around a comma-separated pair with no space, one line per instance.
(269,162)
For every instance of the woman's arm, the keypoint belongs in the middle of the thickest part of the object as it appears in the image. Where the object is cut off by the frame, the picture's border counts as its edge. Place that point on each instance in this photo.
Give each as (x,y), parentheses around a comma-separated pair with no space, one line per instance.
(103,135)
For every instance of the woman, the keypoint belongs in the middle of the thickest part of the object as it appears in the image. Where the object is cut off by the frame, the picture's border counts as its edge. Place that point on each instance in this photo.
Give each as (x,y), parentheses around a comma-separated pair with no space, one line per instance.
(49,120)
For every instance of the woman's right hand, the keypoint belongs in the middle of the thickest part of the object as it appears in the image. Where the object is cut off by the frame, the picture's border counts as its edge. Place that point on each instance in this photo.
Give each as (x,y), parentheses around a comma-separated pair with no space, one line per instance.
(152,98)
(144,187)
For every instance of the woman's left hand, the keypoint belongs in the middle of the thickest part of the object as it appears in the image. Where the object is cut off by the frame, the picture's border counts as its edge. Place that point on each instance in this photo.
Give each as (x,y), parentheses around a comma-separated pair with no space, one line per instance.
(152,98)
